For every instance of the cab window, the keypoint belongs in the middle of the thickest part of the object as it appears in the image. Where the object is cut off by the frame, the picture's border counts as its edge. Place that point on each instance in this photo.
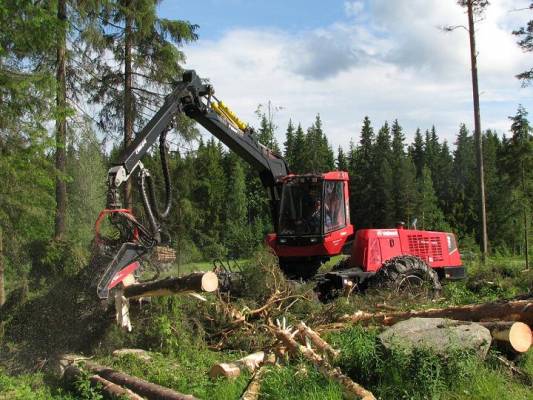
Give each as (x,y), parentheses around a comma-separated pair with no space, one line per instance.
(334,210)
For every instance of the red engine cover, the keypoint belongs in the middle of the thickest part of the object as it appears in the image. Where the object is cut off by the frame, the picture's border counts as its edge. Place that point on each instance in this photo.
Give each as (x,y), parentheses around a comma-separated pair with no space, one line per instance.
(372,247)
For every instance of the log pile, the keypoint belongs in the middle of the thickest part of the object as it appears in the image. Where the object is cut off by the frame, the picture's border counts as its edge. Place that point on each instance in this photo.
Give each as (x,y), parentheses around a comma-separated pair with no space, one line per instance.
(508,321)
(118,385)
(517,310)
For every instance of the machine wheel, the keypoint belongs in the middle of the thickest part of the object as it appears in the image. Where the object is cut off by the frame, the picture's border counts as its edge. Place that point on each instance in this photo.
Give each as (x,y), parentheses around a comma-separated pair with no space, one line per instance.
(301,269)
(406,275)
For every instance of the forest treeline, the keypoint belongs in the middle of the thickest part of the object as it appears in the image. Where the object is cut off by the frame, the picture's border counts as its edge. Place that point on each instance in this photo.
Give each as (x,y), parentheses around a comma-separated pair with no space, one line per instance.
(78,79)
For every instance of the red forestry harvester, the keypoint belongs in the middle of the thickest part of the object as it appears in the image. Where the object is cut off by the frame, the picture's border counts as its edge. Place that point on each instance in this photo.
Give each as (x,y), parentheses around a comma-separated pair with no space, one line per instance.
(310,212)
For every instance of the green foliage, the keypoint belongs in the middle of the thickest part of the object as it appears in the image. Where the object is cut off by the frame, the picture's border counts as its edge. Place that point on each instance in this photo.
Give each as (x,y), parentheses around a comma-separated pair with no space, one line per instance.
(396,374)
(299,381)
(29,387)
(54,258)
(86,191)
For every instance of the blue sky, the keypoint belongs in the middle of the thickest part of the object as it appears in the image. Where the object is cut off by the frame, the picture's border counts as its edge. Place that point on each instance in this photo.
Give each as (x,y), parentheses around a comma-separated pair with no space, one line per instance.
(216,17)
(347,59)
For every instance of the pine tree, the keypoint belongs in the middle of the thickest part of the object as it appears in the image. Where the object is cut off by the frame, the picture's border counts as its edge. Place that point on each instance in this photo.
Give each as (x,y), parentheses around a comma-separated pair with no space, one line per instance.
(526,44)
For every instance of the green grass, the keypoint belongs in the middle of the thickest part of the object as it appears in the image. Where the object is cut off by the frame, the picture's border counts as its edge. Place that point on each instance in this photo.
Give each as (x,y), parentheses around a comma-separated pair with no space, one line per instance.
(30,387)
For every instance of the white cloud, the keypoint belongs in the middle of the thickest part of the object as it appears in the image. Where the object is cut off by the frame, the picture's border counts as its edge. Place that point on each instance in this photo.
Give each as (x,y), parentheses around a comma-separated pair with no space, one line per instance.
(353,8)
(397,64)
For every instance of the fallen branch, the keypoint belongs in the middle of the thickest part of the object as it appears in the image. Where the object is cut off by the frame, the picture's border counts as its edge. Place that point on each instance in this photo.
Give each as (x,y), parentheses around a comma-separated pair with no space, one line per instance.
(253,388)
(521,310)
(195,282)
(233,369)
(526,378)
(321,344)
(351,389)
(73,374)
(140,386)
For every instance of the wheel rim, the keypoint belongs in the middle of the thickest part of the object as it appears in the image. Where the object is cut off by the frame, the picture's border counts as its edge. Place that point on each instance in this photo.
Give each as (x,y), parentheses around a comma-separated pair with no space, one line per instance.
(411,285)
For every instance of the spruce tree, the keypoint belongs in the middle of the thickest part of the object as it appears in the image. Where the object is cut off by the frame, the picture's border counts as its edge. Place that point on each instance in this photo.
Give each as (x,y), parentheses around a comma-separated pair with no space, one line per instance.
(519,167)
(464,184)
(237,234)
(417,152)
(298,157)
(342,160)
(289,145)
(146,60)
(428,213)
(361,173)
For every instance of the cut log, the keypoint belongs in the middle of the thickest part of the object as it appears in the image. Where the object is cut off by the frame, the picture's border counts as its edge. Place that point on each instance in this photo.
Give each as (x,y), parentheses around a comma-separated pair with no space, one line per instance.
(195,282)
(521,310)
(254,387)
(109,389)
(144,388)
(350,388)
(233,369)
(517,334)
(321,344)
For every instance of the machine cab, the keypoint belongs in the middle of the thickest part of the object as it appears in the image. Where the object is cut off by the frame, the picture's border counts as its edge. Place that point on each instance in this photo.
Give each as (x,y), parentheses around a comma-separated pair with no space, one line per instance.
(314,217)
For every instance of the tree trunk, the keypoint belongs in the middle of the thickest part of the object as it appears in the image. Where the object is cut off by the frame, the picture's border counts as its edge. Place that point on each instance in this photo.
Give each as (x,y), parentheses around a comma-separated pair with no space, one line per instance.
(144,388)
(254,387)
(516,334)
(520,310)
(128,99)
(350,388)
(109,389)
(195,282)
(61,123)
(2,269)
(477,134)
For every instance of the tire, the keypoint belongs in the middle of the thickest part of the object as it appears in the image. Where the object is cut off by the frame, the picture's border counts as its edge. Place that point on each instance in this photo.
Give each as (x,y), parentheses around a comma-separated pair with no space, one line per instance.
(300,269)
(406,275)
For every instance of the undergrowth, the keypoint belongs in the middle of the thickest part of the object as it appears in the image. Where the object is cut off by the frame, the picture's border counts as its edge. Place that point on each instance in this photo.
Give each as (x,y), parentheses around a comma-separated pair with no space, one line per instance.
(186,337)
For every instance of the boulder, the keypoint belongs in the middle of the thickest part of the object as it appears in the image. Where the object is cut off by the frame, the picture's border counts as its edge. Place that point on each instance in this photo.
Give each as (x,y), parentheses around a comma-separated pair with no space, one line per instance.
(440,335)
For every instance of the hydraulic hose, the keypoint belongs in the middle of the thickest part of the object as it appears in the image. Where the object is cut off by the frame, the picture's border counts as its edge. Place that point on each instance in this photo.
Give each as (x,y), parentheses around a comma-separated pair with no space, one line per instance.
(154,226)
(166,177)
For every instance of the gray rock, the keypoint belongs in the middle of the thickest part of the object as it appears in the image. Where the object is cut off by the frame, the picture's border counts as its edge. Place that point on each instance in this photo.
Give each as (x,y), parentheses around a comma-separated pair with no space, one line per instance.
(440,335)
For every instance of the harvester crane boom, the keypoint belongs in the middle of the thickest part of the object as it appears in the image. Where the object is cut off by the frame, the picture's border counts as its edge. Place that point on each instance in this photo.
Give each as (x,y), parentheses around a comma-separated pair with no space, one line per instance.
(195,99)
